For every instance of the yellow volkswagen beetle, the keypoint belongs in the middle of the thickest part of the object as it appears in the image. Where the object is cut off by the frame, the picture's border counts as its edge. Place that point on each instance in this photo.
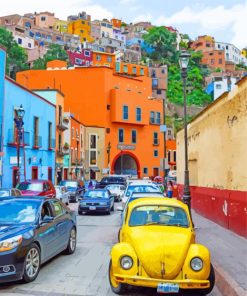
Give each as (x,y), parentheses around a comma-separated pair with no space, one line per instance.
(157,249)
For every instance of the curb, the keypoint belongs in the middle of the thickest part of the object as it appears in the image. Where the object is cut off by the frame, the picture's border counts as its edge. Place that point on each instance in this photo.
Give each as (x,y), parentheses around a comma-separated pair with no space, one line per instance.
(226,284)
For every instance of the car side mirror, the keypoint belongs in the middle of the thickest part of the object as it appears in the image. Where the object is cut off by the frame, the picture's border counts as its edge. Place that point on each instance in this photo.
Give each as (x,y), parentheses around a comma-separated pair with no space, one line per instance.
(120,209)
(46,219)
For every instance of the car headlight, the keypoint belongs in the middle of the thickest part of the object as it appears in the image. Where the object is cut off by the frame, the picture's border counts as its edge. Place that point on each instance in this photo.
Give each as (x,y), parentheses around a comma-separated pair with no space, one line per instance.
(10,243)
(126,262)
(196,264)
(103,203)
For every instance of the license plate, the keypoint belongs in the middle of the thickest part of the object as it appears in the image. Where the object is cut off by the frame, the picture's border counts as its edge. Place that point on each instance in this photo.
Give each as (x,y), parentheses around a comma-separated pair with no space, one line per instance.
(167,288)
(92,208)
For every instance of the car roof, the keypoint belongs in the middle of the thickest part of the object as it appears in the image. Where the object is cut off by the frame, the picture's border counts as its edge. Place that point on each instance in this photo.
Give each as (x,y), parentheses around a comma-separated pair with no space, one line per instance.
(157,201)
(34,181)
(141,182)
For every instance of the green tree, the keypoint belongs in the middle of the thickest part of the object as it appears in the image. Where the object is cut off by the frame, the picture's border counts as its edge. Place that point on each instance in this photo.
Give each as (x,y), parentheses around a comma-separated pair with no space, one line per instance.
(16,55)
(55,52)
(164,44)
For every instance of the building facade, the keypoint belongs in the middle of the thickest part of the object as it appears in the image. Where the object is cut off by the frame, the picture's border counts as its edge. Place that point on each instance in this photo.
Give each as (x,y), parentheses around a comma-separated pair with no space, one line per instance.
(232,53)
(123,109)
(217,142)
(37,155)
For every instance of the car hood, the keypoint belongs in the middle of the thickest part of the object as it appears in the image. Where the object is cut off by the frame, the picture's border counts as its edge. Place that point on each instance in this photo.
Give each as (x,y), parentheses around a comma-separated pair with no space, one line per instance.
(8,231)
(30,192)
(161,248)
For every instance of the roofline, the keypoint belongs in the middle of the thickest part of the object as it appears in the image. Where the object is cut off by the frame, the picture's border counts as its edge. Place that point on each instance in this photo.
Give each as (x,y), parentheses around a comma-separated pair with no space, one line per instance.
(241,80)
(102,52)
(49,89)
(28,90)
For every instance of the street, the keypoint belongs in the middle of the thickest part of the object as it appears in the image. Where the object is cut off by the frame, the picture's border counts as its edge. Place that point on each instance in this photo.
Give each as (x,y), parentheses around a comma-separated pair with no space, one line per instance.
(84,273)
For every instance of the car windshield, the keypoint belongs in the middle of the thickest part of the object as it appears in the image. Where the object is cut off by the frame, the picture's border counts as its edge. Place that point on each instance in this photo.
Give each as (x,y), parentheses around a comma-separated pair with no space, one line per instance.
(4,193)
(113,180)
(71,184)
(141,188)
(96,194)
(30,186)
(158,215)
(18,211)
(112,187)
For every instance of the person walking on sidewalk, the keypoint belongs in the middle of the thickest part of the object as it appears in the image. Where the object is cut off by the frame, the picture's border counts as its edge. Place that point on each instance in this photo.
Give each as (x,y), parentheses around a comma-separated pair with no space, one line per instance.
(170,189)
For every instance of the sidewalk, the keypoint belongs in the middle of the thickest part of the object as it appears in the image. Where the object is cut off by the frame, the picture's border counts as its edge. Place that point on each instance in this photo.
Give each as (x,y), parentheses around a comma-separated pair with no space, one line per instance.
(228,254)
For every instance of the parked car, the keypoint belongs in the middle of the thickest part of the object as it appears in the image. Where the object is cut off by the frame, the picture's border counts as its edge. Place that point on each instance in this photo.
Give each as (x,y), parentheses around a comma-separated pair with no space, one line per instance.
(116,189)
(97,200)
(62,194)
(139,186)
(157,243)
(32,231)
(37,188)
(74,189)
(111,180)
(9,192)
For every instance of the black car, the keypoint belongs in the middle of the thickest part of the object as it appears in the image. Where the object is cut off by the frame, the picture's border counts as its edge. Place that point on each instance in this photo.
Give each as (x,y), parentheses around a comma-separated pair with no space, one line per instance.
(111,180)
(74,189)
(32,231)
(96,200)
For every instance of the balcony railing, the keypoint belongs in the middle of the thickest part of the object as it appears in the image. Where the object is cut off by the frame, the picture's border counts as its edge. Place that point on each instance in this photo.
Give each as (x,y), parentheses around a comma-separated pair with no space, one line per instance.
(13,138)
(156,121)
(77,162)
(37,142)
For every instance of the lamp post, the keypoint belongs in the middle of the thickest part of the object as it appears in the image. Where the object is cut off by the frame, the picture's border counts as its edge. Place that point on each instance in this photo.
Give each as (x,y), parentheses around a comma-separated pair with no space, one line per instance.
(121,161)
(183,62)
(19,114)
(108,150)
(76,165)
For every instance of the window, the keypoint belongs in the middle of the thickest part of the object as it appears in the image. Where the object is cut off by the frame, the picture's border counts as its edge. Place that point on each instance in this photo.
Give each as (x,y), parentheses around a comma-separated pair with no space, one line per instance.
(81,31)
(43,18)
(87,53)
(50,135)
(59,142)
(29,45)
(19,41)
(93,160)
(207,44)
(121,135)
(108,107)
(93,139)
(109,59)
(158,117)
(145,171)
(36,131)
(155,139)
(125,112)
(218,86)
(58,209)
(154,83)
(156,153)
(141,71)
(163,71)
(226,47)
(152,117)
(138,114)
(212,61)
(174,156)
(72,133)
(159,91)
(27,24)
(81,141)
(218,45)
(98,57)
(169,156)
(134,70)
(83,22)
(220,61)
(125,68)
(133,136)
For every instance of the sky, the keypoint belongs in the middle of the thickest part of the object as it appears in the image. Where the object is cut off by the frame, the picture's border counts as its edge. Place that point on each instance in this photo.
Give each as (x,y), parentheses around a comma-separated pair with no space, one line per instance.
(226,20)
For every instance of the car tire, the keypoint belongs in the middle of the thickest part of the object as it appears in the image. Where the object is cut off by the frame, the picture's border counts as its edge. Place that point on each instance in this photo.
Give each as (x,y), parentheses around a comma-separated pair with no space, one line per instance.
(117,288)
(33,259)
(71,247)
(211,279)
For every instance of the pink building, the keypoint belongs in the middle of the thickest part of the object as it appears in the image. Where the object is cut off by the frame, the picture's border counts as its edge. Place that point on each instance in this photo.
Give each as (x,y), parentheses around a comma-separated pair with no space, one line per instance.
(83,58)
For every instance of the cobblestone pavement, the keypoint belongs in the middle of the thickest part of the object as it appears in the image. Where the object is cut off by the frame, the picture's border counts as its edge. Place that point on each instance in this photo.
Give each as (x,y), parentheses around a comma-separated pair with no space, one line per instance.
(85,272)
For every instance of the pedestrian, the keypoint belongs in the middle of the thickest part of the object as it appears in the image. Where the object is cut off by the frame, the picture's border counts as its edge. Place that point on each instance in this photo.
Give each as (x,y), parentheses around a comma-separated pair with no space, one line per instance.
(170,189)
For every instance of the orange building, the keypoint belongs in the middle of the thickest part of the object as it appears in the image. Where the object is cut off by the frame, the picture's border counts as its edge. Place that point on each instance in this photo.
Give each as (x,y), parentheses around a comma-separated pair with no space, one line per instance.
(104,59)
(116,23)
(118,103)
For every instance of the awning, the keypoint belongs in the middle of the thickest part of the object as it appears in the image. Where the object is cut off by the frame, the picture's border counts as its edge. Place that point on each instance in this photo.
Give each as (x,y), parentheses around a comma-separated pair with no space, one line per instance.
(95,169)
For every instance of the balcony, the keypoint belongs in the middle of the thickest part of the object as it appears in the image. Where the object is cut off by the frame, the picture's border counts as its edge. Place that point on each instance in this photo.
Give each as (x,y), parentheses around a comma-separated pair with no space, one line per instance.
(77,162)
(63,124)
(61,152)
(13,138)
(37,142)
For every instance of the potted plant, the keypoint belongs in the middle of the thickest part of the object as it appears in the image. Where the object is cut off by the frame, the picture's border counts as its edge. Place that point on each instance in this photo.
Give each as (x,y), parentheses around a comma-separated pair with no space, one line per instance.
(66,146)
(66,119)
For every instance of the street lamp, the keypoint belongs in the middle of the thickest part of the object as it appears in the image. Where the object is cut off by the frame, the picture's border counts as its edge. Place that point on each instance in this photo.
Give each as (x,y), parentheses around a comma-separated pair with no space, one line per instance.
(183,62)
(76,165)
(19,114)
(108,150)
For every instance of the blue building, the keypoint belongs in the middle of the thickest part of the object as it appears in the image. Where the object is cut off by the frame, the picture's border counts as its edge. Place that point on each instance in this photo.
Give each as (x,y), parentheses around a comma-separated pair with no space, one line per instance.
(37,149)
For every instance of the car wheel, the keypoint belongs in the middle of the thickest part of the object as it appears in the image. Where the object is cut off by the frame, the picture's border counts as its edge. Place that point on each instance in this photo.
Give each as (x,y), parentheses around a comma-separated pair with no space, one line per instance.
(80,212)
(72,242)
(117,288)
(211,279)
(31,264)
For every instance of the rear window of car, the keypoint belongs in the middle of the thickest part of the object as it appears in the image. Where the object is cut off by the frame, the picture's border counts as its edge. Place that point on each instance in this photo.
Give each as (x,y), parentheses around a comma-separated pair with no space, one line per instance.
(30,186)
(72,184)
(141,188)
(113,179)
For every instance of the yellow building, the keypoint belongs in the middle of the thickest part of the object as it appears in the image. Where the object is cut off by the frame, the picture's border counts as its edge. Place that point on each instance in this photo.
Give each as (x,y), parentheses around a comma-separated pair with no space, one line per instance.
(61,26)
(217,145)
(244,52)
(82,28)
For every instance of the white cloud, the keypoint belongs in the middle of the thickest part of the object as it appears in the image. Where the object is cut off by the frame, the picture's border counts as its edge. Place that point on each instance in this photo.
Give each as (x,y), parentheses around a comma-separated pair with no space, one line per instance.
(143,18)
(212,19)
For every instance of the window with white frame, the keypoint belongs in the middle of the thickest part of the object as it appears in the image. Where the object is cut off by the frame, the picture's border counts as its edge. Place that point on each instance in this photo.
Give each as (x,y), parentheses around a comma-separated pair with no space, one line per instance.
(92,149)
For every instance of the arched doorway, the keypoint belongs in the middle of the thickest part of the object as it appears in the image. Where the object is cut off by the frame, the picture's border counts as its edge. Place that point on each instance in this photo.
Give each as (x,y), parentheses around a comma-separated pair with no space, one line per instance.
(126,163)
